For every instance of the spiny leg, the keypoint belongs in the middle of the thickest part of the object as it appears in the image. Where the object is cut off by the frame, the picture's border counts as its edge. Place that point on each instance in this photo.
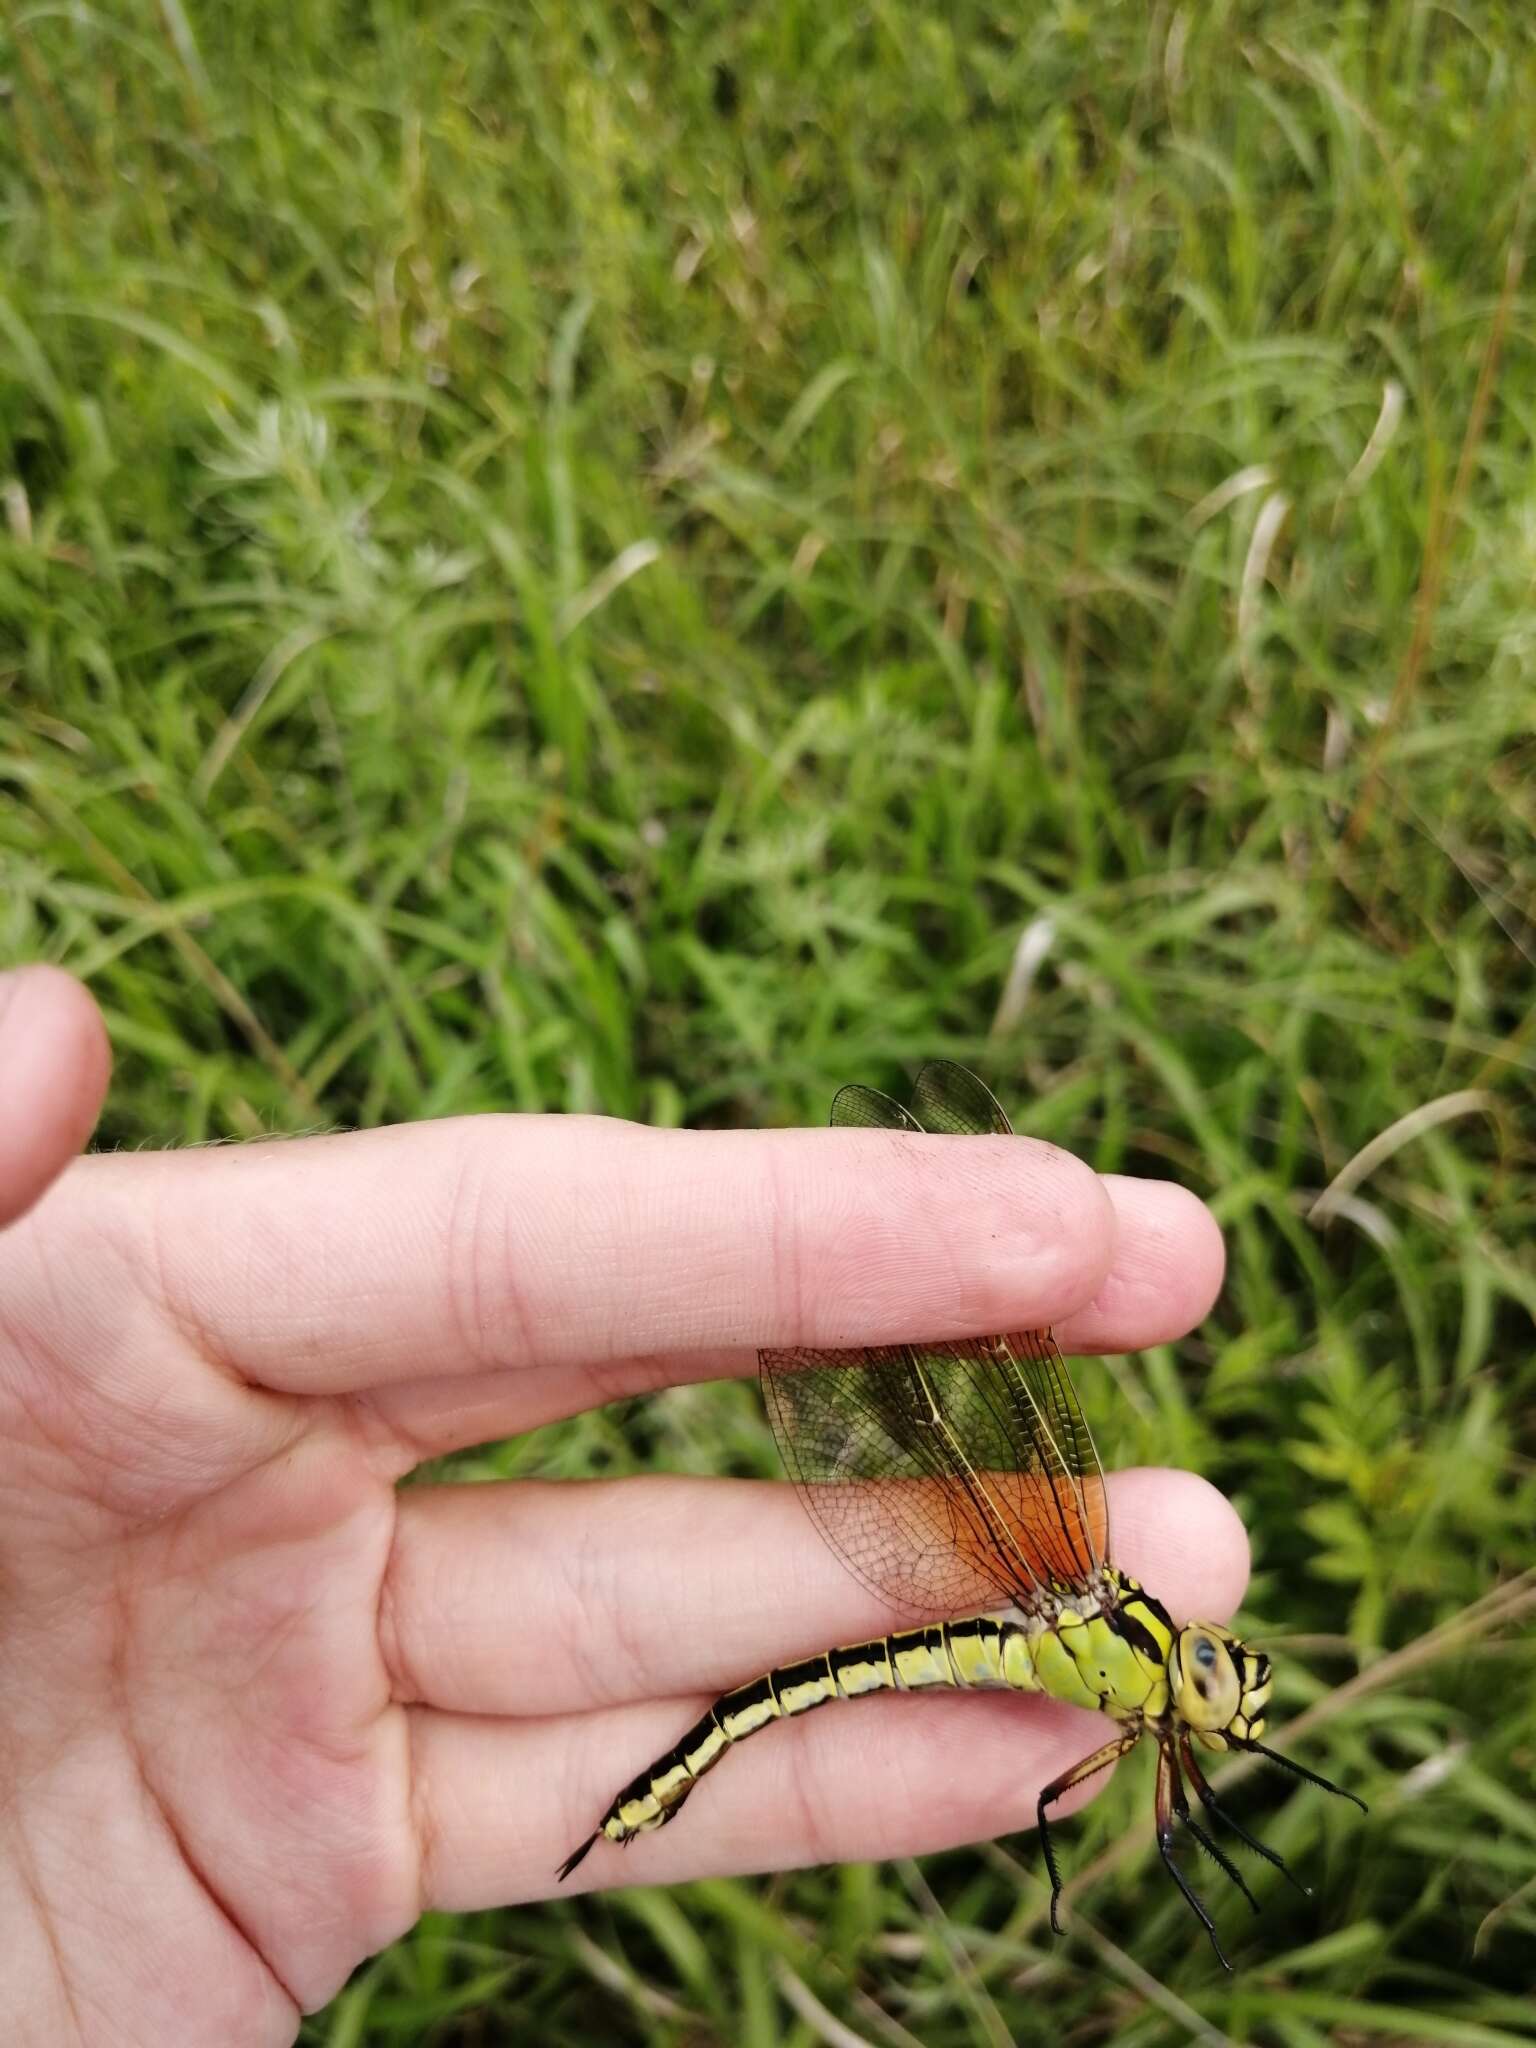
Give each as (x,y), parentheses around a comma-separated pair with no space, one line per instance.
(1212,1849)
(1100,1760)
(1218,1812)
(1289,1763)
(1166,1775)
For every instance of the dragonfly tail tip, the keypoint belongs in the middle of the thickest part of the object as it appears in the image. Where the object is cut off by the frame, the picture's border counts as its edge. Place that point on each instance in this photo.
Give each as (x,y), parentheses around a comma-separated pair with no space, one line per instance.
(574,1858)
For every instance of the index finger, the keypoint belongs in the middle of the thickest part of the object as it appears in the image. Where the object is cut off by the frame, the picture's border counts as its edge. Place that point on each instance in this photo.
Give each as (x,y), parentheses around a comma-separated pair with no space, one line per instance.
(53,1074)
(337,1264)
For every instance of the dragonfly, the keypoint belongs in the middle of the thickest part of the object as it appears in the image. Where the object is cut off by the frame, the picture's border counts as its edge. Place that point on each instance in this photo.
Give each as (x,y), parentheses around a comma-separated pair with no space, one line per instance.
(959,1480)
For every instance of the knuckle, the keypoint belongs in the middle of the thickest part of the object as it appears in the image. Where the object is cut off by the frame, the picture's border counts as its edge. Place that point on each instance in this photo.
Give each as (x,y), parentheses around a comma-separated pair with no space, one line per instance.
(484,1285)
(787,1271)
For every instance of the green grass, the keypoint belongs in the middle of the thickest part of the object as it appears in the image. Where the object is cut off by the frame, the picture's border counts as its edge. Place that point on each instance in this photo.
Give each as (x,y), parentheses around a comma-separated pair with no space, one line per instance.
(621,555)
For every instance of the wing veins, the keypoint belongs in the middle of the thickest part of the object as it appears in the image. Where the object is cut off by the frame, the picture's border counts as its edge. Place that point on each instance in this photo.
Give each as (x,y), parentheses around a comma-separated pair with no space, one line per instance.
(998,1366)
(983,1525)
(977,1569)
(1045,1355)
(994,1519)
(922,1464)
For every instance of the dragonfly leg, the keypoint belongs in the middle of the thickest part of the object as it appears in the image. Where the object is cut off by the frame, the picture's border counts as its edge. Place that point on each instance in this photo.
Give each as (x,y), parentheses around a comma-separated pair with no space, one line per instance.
(1212,1849)
(1100,1760)
(1218,1812)
(1166,1775)
(1289,1763)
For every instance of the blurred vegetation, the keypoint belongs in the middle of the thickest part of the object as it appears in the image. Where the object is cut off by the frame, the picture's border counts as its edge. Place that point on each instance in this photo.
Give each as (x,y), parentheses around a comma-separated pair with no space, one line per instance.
(659,558)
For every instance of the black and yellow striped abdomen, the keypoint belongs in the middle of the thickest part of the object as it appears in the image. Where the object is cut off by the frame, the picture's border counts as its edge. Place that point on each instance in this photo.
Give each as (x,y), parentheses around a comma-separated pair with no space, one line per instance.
(1112,1658)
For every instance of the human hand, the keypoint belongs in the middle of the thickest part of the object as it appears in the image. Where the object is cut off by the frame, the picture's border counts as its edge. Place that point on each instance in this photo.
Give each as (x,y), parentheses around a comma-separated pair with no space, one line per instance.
(259,1711)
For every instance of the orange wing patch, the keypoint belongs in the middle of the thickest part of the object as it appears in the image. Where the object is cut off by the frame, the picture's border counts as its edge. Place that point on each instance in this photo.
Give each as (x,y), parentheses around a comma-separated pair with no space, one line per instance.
(946,1476)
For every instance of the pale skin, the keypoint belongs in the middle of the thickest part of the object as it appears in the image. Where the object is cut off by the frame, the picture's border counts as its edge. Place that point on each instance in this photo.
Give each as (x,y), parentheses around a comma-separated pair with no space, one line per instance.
(258,1710)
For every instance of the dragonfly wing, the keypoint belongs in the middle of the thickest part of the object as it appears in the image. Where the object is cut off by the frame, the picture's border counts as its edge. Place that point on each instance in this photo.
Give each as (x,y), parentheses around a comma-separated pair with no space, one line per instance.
(949,1098)
(878,1483)
(945,1475)
(1074,1535)
(1061,1434)
(866,1108)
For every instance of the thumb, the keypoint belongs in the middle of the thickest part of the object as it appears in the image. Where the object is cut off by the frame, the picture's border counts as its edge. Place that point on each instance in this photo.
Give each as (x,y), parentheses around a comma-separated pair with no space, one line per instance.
(54,1063)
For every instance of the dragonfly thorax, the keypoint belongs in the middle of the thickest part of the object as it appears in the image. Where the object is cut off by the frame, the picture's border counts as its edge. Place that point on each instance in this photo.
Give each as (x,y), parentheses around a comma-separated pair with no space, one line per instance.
(1217,1686)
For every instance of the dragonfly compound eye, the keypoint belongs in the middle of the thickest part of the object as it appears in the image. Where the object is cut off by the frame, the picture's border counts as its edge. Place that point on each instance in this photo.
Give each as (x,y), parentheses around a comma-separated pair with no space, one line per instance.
(1204,1679)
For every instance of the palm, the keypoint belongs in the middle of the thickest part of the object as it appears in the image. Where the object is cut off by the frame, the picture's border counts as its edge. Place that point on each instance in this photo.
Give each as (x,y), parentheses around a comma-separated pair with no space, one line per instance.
(258,1710)
(216,1720)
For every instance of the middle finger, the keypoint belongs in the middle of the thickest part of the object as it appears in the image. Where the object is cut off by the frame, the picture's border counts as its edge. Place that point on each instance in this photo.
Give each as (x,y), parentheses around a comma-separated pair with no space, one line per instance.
(549,1597)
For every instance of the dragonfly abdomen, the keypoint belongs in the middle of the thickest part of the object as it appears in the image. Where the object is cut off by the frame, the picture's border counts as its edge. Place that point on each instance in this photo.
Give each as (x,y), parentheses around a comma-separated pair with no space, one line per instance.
(986,1652)
(1110,1662)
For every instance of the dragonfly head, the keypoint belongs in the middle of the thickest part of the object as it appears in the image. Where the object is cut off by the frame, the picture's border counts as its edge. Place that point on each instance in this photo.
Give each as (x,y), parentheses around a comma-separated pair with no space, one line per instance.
(1218,1686)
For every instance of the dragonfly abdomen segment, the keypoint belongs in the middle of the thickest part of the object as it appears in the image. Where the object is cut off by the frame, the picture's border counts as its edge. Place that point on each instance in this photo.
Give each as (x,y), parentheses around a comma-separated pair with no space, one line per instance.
(986,1652)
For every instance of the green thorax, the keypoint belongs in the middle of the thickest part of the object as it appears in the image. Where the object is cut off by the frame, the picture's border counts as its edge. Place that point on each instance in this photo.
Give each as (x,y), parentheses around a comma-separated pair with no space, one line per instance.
(1107,1650)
